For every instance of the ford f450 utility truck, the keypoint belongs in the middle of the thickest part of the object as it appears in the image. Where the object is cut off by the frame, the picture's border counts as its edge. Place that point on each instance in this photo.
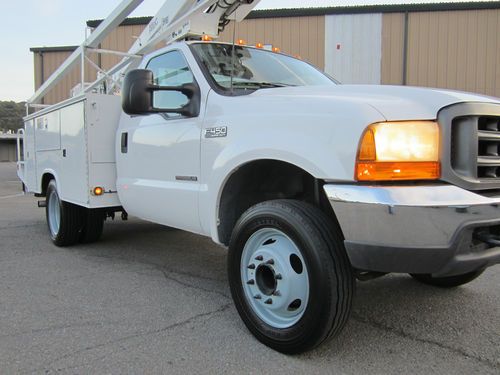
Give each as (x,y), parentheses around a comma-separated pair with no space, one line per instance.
(309,183)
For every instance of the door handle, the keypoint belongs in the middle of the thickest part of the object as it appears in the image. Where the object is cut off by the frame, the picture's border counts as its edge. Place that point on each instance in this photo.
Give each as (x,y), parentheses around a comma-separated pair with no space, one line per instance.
(124,143)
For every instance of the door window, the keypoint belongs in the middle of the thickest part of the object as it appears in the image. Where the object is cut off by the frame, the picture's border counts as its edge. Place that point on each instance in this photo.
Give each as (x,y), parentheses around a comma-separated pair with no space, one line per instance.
(170,69)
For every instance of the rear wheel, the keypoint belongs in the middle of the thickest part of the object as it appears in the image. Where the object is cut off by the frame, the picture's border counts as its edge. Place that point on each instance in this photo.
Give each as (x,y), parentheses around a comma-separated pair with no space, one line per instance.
(290,277)
(449,281)
(63,218)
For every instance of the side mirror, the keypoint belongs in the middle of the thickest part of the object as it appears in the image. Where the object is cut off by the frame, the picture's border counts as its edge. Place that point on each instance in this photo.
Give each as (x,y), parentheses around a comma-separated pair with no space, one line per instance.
(141,96)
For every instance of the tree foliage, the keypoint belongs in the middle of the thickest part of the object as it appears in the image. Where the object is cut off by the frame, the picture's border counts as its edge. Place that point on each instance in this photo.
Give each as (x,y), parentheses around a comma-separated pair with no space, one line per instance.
(11,115)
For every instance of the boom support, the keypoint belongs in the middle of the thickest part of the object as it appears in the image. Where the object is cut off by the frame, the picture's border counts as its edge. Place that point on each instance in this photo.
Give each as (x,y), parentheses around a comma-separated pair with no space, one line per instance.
(176,20)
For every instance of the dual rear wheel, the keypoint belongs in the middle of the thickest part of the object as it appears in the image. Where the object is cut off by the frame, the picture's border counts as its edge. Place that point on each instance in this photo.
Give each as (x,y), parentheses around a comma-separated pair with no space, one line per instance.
(69,223)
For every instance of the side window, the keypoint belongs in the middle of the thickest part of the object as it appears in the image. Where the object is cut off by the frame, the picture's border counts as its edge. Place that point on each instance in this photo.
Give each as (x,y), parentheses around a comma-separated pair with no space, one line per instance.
(170,69)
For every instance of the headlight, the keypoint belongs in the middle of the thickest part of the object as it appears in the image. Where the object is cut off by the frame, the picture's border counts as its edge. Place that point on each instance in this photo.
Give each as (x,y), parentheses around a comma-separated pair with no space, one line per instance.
(407,150)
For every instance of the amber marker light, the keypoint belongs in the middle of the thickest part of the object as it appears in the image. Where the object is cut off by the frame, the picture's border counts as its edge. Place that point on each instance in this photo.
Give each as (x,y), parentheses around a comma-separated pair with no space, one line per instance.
(98,191)
(406,150)
(206,38)
(276,50)
(259,45)
(241,42)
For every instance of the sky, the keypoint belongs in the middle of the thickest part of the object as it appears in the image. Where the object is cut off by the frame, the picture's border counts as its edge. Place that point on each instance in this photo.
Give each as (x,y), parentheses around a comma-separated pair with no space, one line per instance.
(36,23)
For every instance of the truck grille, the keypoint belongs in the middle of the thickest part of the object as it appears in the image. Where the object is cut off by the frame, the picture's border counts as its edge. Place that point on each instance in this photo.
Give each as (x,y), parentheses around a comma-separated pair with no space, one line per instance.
(488,155)
(471,145)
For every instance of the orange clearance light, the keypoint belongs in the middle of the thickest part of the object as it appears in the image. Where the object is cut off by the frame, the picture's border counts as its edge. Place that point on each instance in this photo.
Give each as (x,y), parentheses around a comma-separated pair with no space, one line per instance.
(276,50)
(98,191)
(206,38)
(407,150)
(259,45)
(298,57)
(241,42)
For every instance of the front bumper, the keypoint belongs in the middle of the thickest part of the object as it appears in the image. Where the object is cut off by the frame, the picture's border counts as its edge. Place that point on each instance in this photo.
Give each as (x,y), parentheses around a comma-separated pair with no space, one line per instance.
(436,229)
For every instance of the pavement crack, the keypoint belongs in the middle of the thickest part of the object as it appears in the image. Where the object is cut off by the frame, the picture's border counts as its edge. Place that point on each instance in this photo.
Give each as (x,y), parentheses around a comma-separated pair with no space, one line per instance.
(168,276)
(138,334)
(168,273)
(404,334)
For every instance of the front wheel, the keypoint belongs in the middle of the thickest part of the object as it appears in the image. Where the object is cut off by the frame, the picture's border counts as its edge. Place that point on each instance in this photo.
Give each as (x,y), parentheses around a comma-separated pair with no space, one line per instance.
(289,275)
(449,281)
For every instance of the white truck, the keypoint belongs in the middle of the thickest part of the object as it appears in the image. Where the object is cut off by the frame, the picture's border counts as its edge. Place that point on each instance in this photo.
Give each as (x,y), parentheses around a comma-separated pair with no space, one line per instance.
(309,183)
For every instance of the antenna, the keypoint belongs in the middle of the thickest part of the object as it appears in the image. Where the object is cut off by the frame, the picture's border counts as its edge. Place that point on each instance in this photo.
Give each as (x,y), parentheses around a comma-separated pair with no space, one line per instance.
(233,54)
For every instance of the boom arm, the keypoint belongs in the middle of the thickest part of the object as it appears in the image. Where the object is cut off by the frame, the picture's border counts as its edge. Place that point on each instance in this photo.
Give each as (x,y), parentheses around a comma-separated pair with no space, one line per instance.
(176,20)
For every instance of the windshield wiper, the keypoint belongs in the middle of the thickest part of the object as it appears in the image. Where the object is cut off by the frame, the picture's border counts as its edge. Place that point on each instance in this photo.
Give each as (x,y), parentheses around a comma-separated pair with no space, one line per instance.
(262,85)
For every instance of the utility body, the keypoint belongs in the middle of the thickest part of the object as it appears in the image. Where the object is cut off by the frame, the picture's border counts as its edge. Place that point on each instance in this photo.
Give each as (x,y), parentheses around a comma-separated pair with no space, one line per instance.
(309,183)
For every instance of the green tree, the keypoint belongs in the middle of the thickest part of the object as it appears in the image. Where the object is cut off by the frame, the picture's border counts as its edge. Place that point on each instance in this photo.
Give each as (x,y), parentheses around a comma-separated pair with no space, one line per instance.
(11,115)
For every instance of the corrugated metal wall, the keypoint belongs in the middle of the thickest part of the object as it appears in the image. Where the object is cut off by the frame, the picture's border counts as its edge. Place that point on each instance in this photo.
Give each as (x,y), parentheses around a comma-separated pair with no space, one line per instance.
(457,50)
(51,61)
(353,47)
(449,49)
(297,36)
(392,48)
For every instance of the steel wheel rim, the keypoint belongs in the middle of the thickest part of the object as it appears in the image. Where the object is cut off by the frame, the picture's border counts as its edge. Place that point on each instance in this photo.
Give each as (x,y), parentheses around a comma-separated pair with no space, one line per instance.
(274,278)
(54,211)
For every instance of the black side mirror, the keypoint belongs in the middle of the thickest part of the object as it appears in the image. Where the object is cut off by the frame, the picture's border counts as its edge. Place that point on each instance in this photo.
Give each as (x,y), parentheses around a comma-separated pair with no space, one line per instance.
(138,95)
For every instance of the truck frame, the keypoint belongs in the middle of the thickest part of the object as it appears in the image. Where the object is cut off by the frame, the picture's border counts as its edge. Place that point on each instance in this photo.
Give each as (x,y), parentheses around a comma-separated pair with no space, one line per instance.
(310,184)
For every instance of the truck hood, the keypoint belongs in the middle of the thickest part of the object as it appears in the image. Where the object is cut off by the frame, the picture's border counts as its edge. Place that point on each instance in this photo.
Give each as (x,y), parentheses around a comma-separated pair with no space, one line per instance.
(393,102)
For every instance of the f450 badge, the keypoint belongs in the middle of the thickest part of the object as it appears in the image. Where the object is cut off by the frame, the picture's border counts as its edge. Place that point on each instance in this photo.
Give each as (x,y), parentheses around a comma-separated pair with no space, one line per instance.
(217,132)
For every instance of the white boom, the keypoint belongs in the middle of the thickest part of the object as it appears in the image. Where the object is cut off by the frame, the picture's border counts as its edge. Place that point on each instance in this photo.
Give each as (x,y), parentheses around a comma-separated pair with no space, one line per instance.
(176,20)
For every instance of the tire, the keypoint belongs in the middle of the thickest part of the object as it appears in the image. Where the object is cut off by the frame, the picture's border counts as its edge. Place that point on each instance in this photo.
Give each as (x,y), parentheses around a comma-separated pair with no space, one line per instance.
(93,223)
(299,294)
(449,281)
(64,219)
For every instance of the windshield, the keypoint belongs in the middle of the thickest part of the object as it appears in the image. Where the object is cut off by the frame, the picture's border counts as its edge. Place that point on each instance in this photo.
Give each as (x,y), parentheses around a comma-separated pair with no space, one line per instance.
(254,68)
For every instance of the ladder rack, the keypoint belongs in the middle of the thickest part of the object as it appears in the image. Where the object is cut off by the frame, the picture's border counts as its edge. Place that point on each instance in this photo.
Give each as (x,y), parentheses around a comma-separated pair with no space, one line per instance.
(176,20)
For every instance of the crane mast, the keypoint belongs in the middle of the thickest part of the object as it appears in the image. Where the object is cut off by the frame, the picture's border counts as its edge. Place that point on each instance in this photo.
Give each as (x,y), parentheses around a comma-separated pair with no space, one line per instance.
(175,20)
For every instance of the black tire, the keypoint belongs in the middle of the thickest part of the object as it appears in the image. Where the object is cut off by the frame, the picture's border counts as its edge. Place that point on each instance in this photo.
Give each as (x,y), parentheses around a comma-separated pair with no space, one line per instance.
(449,281)
(93,224)
(68,231)
(331,279)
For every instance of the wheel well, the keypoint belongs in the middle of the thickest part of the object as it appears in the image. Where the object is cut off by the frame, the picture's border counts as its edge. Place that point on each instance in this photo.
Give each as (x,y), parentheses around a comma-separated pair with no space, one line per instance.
(264,180)
(46,178)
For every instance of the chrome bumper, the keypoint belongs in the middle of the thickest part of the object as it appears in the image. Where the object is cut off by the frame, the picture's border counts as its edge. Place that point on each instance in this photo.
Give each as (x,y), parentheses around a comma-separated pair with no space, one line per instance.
(416,229)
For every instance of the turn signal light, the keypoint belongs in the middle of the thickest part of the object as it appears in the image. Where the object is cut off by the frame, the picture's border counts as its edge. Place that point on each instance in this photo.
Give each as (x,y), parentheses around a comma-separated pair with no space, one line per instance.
(98,191)
(406,150)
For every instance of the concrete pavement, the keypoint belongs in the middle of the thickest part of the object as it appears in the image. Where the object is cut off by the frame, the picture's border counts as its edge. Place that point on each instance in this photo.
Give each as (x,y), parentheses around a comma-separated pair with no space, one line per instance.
(150,299)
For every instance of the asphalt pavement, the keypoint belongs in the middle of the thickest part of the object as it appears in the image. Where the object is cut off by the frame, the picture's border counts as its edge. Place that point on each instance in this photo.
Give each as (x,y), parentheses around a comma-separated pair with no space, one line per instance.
(148,299)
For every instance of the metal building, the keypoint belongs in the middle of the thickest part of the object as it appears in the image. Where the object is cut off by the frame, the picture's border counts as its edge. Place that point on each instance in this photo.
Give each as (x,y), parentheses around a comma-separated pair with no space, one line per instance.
(8,150)
(446,45)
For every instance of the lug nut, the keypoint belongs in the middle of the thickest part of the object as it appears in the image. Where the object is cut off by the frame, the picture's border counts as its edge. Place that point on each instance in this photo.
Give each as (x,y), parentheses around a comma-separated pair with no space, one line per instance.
(278,276)
(251,266)
(259,258)
(257,296)
(277,293)
(251,282)
(270,261)
(268,301)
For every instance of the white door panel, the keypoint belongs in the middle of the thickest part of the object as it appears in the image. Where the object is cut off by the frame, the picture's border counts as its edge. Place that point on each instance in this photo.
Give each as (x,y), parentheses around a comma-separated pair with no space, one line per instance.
(159,169)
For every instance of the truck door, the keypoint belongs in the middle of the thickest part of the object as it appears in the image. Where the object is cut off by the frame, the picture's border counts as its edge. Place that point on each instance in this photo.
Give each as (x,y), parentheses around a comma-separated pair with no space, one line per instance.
(158,155)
